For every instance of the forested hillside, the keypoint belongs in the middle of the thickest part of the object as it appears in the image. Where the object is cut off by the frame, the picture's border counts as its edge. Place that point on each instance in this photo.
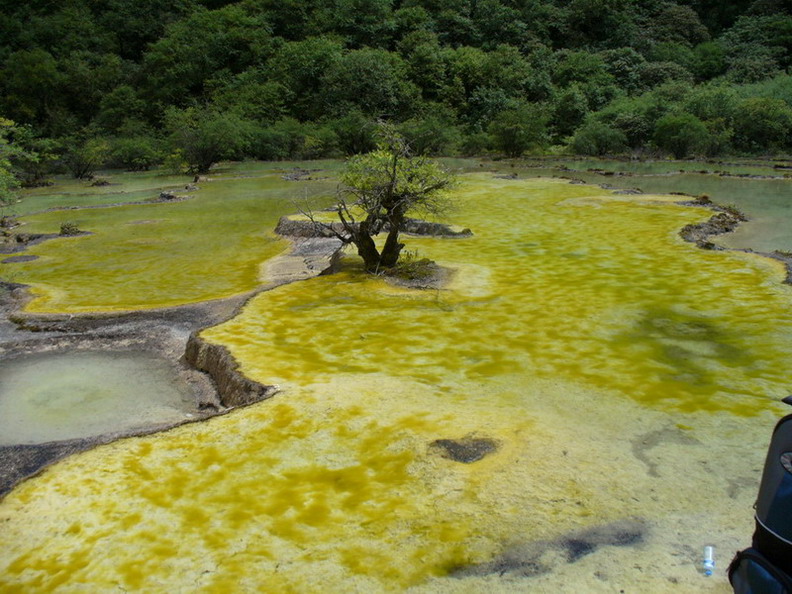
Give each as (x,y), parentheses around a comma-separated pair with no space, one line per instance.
(134,83)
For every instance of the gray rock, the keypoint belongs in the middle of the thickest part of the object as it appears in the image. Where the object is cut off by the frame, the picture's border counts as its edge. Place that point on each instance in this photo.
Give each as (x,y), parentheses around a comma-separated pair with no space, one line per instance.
(466,450)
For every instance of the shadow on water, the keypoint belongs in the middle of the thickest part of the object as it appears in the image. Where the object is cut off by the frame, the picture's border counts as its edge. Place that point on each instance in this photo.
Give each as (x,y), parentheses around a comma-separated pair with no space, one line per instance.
(686,349)
(535,558)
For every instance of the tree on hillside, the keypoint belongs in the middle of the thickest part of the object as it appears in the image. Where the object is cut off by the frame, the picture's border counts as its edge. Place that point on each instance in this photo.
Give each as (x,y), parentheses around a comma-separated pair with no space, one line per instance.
(569,111)
(379,189)
(83,154)
(598,139)
(17,153)
(516,130)
(762,124)
(681,134)
(8,182)
(32,157)
(201,50)
(709,60)
(375,81)
(675,23)
(600,23)
(30,85)
(205,137)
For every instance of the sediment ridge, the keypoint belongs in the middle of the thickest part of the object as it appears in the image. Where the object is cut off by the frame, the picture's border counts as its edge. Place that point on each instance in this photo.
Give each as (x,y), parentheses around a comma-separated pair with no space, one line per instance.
(720,223)
(233,387)
(726,220)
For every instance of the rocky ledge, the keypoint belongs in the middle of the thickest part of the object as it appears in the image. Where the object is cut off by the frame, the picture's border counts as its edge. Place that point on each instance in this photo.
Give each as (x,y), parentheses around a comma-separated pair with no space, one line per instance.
(720,223)
(233,388)
(725,221)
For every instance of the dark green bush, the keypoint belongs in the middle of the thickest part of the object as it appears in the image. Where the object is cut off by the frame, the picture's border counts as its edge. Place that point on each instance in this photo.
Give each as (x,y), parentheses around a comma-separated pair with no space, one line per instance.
(681,134)
(138,153)
(597,139)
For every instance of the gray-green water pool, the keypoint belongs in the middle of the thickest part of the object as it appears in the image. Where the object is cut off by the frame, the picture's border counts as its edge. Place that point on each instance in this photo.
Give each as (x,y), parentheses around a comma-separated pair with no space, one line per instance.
(57,396)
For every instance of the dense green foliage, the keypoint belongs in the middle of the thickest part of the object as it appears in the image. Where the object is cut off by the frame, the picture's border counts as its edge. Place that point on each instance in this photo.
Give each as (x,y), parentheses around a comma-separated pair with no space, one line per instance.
(135,84)
(8,183)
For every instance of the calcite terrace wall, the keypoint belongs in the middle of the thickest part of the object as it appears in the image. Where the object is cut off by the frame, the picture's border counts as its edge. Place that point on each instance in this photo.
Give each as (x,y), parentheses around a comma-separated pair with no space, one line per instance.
(233,388)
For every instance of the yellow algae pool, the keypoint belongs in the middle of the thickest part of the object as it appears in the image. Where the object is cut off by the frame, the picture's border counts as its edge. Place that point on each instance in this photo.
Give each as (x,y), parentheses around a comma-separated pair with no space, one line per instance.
(159,255)
(628,379)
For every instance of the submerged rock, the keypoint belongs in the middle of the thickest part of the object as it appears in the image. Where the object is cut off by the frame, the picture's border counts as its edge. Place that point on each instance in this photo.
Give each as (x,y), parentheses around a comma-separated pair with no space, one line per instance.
(723,222)
(17,259)
(8,222)
(298,174)
(418,227)
(466,450)
(535,558)
(290,227)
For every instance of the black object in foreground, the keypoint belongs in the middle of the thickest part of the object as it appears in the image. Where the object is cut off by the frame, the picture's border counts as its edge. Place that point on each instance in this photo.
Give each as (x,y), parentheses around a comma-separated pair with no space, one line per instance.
(766,567)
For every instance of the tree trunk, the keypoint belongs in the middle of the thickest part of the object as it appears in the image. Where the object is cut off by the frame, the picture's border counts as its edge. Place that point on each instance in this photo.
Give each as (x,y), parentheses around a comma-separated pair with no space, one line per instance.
(368,251)
(392,247)
(366,247)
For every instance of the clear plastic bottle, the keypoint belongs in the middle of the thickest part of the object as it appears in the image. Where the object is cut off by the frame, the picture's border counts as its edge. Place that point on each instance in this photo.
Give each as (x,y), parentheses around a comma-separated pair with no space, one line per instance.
(709,560)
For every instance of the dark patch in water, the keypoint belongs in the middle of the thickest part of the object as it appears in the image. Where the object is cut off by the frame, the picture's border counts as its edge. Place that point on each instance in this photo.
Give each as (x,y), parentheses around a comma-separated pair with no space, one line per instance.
(465,450)
(686,346)
(645,442)
(14,259)
(577,548)
(627,538)
(535,558)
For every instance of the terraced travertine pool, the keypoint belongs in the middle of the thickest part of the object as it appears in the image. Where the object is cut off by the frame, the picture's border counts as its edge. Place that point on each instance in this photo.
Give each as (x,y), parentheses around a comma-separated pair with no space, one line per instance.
(160,254)
(763,194)
(49,397)
(629,380)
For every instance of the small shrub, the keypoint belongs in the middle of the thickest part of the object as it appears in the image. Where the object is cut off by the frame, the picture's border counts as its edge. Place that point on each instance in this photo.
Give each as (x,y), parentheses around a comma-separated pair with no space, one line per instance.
(69,228)
(734,211)
(412,267)
(175,163)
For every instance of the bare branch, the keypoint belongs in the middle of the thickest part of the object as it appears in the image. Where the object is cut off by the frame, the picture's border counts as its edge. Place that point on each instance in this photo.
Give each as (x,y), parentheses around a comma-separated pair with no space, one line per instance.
(320,226)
